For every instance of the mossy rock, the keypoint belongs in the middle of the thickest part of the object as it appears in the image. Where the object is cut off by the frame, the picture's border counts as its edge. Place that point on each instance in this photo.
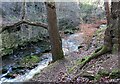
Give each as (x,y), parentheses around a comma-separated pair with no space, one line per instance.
(7,51)
(29,61)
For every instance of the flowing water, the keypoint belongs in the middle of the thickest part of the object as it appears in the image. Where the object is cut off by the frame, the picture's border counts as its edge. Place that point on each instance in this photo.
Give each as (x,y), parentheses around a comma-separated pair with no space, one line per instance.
(70,44)
(28,75)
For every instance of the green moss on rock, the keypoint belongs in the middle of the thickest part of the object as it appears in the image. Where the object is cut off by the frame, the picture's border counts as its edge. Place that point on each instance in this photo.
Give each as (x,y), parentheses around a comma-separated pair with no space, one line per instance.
(29,61)
(7,51)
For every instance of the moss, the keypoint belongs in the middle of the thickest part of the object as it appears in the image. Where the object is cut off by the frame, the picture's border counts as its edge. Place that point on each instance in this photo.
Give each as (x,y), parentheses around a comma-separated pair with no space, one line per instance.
(97,77)
(115,48)
(7,51)
(59,56)
(100,31)
(71,69)
(98,52)
(78,62)
(95,54)
(29,61)
(103,73)
(115,74)
(85,59)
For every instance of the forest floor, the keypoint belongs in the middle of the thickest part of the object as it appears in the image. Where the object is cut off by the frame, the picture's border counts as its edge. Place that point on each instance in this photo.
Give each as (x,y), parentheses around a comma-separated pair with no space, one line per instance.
(67,70)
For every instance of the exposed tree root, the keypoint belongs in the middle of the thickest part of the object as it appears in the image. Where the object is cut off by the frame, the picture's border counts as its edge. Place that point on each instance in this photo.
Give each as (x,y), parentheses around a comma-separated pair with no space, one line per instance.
(100,51)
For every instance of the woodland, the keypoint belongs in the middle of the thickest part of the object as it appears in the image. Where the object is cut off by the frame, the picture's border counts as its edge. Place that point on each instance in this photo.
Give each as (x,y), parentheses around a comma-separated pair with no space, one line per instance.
(76,42)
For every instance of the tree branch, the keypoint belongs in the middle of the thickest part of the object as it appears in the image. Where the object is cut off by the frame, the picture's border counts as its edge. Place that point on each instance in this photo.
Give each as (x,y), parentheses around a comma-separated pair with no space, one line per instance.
(23,22)
(40,24)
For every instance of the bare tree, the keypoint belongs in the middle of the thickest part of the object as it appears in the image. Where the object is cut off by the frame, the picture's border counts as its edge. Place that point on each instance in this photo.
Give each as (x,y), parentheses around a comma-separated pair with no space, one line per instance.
(107,38)
(56,45)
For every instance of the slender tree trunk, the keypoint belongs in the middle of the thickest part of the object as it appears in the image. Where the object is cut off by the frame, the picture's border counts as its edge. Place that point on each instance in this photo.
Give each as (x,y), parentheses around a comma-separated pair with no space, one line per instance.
(119,37)
(56,45)
(107,9)
(119,29)
(107,38)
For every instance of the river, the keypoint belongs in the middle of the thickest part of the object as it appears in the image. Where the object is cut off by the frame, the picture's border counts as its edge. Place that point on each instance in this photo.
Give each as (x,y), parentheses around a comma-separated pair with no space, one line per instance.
(69,44)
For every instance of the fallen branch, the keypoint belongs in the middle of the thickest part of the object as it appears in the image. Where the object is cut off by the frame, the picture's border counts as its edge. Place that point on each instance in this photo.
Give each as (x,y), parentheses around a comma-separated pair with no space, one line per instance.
(23,22)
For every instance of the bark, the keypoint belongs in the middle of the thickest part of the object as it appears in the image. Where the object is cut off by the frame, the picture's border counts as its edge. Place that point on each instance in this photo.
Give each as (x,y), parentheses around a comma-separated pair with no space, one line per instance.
(112,33)
(107,9)
(115,12)
(56,45)
(6,27)
(107,38)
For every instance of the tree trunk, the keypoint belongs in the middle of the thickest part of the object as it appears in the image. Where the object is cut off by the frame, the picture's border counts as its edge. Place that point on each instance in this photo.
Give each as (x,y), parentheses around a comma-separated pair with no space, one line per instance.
(115,12)
(112,33)
(107,38)
(56,45)
(115,31)
(107,9)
